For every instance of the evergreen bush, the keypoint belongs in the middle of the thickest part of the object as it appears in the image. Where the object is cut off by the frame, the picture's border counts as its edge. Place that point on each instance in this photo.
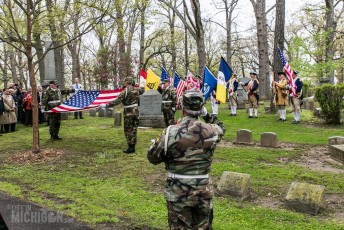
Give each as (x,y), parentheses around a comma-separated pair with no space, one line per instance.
(331,101)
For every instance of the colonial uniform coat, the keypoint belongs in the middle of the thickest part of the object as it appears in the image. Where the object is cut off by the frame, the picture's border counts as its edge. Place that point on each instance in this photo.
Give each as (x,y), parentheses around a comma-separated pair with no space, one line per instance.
(281,96)
(232,89)
(252,91)
(187,150)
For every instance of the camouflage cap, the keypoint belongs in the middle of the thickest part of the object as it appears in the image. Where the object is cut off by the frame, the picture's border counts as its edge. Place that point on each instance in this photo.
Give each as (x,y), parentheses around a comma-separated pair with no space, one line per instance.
(193,100)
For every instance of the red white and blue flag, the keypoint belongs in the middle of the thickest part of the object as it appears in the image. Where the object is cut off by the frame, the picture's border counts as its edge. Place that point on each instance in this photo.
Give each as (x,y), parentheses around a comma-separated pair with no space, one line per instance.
(289,72)
(83,100)
(179,84)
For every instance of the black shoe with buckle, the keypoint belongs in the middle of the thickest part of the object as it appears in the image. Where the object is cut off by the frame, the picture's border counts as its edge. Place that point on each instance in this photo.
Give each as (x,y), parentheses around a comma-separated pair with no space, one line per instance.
(56,137)
(250,116)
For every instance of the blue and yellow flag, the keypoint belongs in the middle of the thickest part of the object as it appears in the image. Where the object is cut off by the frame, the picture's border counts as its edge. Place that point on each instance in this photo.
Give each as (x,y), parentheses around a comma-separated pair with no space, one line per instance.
(152,81)
(224,74)
(209,83)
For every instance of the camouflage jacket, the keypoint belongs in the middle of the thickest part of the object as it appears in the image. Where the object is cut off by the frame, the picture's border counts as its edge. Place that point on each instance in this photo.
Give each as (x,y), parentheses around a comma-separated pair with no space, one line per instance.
(129,97)
(169,98)
(51,97)
(190,146)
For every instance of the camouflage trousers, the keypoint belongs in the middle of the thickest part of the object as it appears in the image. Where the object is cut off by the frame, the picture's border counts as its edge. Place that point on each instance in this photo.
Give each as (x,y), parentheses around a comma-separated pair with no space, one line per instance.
(190,214)
(54,123)
(131,122)
(169,117)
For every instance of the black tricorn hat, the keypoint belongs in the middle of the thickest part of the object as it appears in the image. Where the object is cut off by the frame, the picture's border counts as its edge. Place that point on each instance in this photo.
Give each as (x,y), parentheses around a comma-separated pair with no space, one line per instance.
(254,73)
(295,72)
(166,80)
(281,73)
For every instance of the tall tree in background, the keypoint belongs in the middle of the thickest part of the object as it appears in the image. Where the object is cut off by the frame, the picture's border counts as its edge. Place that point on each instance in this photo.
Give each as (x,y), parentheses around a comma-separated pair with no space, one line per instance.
(263,51)
(194,26)
(329,37)
(278,35)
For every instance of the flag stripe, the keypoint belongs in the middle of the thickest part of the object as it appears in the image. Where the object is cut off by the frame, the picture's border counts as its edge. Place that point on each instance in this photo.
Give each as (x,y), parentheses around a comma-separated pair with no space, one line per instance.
(83,100)
(289,72)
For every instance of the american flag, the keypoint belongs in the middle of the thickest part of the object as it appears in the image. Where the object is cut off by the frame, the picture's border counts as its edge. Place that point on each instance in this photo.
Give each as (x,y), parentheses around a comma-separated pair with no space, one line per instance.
(179,84)
(86,100)
(289,72)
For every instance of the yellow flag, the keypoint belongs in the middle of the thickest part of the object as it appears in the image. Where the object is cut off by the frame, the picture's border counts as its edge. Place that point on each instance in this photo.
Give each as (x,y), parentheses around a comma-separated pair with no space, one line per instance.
(152,81)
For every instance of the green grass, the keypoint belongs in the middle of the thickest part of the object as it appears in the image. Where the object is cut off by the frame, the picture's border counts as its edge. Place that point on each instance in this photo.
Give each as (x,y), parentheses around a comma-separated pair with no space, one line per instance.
(96,183)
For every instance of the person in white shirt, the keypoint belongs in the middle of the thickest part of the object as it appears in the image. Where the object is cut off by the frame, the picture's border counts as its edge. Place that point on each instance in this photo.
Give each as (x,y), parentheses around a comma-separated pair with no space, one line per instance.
(77,86)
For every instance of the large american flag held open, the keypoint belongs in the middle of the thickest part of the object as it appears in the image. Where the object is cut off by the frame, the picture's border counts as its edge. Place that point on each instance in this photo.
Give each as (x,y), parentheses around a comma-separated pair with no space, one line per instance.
(86,100)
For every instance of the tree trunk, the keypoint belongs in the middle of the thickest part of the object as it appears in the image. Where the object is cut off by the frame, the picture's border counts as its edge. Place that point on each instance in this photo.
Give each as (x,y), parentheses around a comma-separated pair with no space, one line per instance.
(20,64)
(28,48)
(329,28)
(39,50)
(278,42)
(122,64)
(173,39)
(13,64)
(229,8)
(186,47)
(142,34)
(196,9)
(262,36)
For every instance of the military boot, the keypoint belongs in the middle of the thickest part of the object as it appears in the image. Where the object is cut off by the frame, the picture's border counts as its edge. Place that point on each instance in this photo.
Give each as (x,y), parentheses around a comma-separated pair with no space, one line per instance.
(56,137)
(130,149)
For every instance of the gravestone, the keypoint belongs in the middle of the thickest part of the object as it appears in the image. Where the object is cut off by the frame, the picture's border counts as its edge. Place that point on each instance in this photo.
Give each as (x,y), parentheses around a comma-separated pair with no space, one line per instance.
(244,136)
(49,63)
(92,112)
(64,116)
(102,112)
(304,197)
(336,140)
(234,184)
(242,94)
(268,139)
(150,109)
(337,152)
(110,112)
(309,103)
(118,119)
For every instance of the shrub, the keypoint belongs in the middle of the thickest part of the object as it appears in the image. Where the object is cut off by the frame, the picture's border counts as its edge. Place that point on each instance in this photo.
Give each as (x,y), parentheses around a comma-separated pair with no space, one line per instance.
(331,101)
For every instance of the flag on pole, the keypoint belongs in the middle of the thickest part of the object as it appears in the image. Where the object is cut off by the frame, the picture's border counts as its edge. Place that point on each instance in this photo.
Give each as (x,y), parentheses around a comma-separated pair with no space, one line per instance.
(86,100)
(179,84)
(164,75)
(192,82)
(143,78)
(289,72)
(224,74)
(209,83)
(152,80)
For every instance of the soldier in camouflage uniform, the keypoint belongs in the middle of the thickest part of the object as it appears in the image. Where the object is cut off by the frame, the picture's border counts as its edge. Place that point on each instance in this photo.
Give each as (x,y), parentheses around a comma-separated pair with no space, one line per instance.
(187,150)
(51,99)
(129,98)
(169,102)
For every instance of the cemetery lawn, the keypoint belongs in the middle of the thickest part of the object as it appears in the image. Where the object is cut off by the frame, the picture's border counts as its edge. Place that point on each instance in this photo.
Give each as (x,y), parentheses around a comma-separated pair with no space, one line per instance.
(87,177)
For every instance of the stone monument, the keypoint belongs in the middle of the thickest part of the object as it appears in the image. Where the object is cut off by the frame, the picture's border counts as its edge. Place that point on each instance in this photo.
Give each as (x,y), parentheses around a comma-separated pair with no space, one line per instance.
(150,109)
(235,184)
(242,94)
(49,63)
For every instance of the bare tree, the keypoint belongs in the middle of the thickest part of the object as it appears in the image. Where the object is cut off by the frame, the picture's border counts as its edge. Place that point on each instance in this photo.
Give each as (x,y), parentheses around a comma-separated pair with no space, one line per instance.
(194,26)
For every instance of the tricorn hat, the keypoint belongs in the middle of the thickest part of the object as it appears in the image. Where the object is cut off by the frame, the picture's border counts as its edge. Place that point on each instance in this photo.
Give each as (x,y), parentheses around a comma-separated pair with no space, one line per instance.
(166,80)
(52,82)
(295,72)
(281,73)
(254,73)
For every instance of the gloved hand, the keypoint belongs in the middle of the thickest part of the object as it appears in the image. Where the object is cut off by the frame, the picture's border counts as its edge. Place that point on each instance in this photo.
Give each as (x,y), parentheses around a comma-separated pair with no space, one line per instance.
(42,110)
(204,111)
(102,106)
(231,94)
(173,109)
